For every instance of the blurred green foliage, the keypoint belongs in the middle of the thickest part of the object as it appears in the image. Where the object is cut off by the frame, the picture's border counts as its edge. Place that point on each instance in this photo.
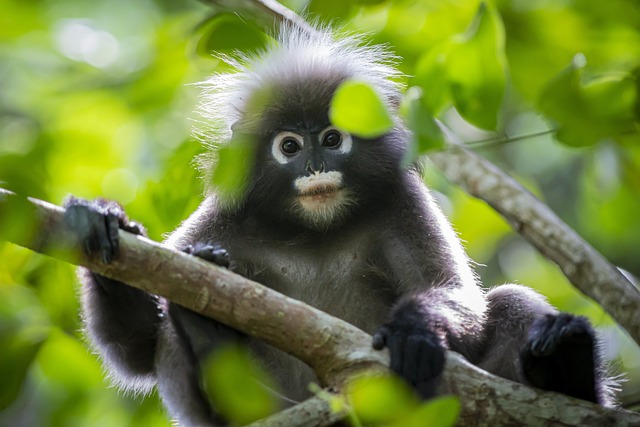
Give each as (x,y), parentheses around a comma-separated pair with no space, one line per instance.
(95,100)
(238,386)
(358,109)
(385,400)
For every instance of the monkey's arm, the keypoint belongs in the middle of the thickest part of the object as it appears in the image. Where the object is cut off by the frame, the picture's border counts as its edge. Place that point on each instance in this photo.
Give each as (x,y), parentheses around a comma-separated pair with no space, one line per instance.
(422,326)
(122,322)
(439,305)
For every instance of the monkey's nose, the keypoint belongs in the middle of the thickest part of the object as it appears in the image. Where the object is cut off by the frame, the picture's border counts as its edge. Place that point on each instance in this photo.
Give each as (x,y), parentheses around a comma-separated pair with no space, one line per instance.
(315,167)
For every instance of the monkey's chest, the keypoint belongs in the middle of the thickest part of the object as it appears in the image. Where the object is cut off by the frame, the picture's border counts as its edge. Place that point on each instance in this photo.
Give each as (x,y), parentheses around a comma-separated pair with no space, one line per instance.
(342,285)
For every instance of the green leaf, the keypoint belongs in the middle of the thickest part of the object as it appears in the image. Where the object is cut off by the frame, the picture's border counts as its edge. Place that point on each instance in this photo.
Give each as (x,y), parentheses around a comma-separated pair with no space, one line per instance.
(228,32)
(380,399)
(65,360)
(329,9)
(476,68)
(611,99)
(439,412)
(23,328)
(232,170)
(358,109)
(431,76)
(562,101)
(426,134)
(587,113)
(17,218)
(238,387)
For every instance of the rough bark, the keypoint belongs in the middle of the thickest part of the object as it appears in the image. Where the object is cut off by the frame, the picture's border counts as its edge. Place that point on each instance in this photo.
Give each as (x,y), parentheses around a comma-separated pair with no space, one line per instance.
(587,269)
(333,348)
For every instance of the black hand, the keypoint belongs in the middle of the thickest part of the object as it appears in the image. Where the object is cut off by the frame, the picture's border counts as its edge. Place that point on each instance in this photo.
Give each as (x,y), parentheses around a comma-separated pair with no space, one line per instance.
(211,252)
(416,354)
(96,224)
(96,232)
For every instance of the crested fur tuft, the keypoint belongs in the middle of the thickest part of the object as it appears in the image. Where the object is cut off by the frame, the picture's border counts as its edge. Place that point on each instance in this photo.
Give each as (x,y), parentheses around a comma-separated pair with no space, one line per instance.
(296,55)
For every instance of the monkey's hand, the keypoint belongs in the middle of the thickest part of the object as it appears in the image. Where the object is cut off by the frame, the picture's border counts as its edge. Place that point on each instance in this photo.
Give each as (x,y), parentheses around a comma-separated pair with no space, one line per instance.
(204,334)
(96,224)
(560,356)
(417,353)
(210,251)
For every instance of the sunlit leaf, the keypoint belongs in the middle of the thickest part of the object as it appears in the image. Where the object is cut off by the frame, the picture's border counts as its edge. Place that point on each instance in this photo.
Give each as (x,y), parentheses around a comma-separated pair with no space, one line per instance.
(636,107)
(562,101)
(67,361)
(431,76)
(238,387)
(329,9)
(229,32)
(234,164)
(380,399)
(369,2)
(15,360)
(476,68)
(358,109)
(426,134)
(17,218)
(589,112)
(23,329)
(439,412)
(611,100)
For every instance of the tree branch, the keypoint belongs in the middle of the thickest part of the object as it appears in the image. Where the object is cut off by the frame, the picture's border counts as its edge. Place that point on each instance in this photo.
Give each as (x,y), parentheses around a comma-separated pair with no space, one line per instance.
(585,267)
(335,349)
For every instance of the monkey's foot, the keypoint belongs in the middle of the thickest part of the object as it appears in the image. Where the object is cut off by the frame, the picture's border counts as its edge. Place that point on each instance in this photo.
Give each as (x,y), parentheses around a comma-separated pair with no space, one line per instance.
(416,355)
(560,356)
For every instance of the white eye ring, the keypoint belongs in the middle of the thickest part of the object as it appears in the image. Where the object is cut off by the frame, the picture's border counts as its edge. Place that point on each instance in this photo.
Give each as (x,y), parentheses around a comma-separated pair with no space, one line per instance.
(276,146)
(345,144)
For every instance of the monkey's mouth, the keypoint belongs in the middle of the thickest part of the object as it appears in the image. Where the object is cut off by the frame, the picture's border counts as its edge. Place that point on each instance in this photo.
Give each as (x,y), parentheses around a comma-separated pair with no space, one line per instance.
(319,188)
(320,193)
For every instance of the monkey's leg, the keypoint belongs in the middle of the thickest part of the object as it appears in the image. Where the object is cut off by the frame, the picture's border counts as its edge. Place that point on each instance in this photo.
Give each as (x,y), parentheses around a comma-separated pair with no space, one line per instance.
(122,322)
(531,342)
(186,340)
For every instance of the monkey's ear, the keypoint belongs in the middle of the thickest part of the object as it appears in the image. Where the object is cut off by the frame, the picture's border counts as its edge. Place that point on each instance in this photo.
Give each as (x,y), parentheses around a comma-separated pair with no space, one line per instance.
(241,128)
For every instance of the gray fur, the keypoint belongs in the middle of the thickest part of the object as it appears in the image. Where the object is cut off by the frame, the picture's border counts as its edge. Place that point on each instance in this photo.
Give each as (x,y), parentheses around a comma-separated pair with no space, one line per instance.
(389,258)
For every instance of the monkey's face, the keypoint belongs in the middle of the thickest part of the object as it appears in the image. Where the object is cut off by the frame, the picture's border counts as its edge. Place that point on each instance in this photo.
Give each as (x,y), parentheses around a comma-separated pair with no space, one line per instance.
(307,171)
(314,159)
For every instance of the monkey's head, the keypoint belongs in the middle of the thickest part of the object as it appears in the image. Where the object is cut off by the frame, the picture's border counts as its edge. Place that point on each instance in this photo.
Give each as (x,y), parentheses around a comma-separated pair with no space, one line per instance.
(305,170)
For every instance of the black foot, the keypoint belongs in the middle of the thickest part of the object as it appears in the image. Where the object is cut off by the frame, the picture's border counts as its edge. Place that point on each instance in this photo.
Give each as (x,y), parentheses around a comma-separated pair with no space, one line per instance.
(417,355)
(211,252)
(560,356)
(96,226)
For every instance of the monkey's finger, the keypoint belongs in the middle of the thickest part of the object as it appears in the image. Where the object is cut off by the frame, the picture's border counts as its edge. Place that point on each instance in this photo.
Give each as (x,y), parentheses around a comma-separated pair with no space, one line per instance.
(397,346)
(221,257)
(380,338)
(412,358)
(112,230)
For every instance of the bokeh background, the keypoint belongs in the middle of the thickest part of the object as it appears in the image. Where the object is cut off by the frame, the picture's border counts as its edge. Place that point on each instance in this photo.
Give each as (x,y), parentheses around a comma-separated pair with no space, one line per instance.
(97,100)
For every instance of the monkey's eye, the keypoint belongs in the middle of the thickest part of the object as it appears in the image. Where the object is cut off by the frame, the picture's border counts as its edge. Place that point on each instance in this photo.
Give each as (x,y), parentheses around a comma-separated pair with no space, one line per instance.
(332,139)
(285,146)
(336,139)
(290,146)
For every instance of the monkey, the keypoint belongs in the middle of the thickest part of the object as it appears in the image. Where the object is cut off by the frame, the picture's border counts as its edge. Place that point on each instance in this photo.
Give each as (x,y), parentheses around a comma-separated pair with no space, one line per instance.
(337,221)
